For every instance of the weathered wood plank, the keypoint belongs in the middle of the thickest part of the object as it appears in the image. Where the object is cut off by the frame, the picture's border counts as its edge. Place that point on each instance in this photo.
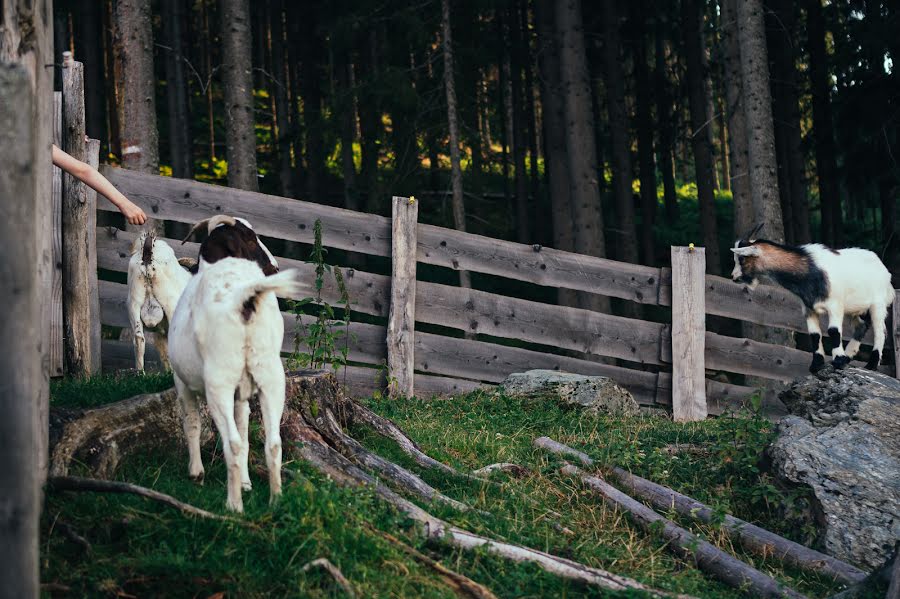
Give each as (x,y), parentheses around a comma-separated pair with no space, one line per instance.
(688,328)
(896,333)
(55,315)
(92,157)
(401,327)
(78,310)
(364,381)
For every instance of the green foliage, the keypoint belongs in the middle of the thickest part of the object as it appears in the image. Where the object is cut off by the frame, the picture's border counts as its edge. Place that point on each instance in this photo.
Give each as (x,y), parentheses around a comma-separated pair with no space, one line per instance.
(106,388)
(321,337)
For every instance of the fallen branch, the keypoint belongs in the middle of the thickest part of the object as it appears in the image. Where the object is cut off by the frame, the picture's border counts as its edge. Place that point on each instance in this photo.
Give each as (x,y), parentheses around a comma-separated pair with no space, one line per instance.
(513,469)
(339,469)
(70,533)
(462,585)
(707,557)
(755,539)
(77,483)
(338,576)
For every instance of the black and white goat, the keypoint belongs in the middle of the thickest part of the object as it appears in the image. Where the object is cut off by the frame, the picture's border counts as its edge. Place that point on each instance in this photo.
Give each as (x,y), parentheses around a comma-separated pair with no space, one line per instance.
(833,283)
(225,343)
(156,279)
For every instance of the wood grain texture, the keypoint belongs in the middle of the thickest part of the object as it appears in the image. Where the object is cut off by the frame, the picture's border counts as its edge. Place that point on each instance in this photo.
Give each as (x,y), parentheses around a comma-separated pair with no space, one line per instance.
(688,334)
(92,157)
(55,315)
(402,315)
(77,215)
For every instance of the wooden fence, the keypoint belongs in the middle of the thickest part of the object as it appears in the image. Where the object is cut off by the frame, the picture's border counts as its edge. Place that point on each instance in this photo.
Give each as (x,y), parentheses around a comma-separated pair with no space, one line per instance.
(656,361)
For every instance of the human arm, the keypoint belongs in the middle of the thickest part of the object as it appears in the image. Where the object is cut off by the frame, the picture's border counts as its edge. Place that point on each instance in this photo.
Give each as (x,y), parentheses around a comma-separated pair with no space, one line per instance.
(93,179)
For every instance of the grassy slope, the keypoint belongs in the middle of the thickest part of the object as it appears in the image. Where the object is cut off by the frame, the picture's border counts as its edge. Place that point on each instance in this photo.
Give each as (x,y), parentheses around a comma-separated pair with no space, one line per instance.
(145,550)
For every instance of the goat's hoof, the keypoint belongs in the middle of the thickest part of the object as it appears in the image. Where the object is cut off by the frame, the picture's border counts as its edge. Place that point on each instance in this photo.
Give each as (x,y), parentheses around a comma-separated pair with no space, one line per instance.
(874,359)
(817,364)
(247,486)
(197,478)
(840,362)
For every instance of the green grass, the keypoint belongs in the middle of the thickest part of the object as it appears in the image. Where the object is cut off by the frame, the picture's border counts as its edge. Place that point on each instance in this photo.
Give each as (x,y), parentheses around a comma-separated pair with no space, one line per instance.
(145,550)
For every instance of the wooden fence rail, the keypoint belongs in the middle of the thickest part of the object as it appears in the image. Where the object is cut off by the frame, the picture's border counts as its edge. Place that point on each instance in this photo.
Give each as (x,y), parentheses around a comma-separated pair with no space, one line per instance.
(515,334)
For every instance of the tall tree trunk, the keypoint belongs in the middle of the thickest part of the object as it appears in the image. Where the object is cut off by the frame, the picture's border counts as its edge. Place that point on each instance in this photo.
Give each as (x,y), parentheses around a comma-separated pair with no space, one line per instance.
(505,104)
(345,107)
(723,144)
(540,206)
(664,117)
(112,101)
(208,73)
(700,137)
(645,149)
(282,105)
(555,158)
(369,124)
(622,172)
(140,137)
(237,81)
(758,111)
(579,138)
(26,116)
(459,209)
(89,51)
(737,128)
(523,228)
(311,77)
(823,128)
(180,138)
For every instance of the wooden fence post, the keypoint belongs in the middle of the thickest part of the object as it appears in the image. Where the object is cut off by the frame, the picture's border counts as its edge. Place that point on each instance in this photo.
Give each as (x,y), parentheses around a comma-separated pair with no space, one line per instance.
(80,313)
(897,333)
(22,375)
(688,334)
(57,361)
(401,329)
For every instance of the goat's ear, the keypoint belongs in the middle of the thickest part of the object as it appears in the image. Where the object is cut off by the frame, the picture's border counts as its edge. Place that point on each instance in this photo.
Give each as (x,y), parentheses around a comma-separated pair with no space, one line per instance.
(748,250)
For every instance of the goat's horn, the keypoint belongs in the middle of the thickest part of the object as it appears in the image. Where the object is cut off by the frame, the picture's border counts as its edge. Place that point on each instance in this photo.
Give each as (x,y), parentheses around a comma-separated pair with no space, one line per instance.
(196,226)
(220,219)
(756,231)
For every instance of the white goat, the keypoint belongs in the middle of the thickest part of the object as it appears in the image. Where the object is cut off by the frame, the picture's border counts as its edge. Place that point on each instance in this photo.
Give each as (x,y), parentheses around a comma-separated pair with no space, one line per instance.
(225,342)
(834,283)
(156,279)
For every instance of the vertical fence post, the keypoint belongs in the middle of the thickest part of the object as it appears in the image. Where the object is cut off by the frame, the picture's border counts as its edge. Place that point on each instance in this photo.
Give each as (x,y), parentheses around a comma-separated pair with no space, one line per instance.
(79,312)
(56,315)
(897,333)
(401,327)
(688,334)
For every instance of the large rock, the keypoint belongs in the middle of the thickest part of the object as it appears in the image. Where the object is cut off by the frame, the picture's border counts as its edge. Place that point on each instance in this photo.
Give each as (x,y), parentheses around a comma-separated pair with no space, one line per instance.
(842,439)
(597,394)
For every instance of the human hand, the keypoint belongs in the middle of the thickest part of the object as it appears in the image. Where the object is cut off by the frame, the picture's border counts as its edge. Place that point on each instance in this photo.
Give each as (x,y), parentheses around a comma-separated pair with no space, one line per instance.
(133,214)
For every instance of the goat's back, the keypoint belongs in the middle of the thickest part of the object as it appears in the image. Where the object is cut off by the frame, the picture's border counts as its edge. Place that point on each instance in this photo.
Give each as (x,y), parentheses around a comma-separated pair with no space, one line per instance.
(856,276)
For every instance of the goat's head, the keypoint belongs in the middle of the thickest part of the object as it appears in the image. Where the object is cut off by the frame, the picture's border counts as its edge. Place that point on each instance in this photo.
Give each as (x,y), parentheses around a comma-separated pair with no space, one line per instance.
(746,258)
(233,237)
(754,258)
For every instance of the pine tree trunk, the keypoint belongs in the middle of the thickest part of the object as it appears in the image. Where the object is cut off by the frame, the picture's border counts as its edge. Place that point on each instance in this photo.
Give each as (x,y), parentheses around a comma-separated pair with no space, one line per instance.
(823,128)
(737,129)
(700,137)
(723,143)
(345,107)
(645,150)
(459,209)
(89,50)
(555,158)
(579,138)
(112,102)
(523,228)
(622,171)
(180,138)
(779,53)
(540,205)
(282,106)
(237,83)
(664,118)
(208,73)
(140,137)
(505,104)
(758,111)
(369,125)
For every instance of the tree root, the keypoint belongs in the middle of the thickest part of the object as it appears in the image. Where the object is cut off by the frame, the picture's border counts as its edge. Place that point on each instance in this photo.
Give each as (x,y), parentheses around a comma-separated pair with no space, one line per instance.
(335,573)
(77,483)
(757,540)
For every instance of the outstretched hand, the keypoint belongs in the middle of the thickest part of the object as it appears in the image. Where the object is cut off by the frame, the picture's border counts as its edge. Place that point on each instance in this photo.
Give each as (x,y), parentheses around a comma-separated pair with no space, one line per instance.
(133,214)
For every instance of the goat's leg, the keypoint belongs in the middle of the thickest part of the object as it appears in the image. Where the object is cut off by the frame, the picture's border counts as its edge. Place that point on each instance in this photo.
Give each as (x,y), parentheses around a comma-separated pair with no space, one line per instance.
(861,324)
(162,346)
(136,296)
(190,419)
(242,418)
(220,399)
(815,335)
(879,316)
(835,322)
(270,380)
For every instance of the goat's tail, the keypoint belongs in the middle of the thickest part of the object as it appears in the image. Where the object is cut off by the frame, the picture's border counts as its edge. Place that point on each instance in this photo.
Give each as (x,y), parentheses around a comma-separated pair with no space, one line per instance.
(284,283)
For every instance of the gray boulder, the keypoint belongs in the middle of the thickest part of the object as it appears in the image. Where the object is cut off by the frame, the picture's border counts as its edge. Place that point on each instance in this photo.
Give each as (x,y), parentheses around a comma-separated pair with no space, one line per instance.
(596,394)
(842,440)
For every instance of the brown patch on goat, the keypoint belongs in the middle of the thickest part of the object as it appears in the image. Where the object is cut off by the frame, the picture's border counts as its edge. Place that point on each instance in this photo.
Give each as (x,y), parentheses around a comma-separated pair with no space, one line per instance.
(775,258)
(147,254)
(248,308)
(236,241)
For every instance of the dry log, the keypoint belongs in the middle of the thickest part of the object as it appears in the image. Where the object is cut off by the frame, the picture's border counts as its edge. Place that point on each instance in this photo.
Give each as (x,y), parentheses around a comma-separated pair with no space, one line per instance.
(513,469)
(707,557)
(77,483)
(335,573)
(755,539)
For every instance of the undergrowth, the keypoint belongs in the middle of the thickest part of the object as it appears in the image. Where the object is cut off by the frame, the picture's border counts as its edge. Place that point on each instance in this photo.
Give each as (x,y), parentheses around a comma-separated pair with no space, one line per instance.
(144,550)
